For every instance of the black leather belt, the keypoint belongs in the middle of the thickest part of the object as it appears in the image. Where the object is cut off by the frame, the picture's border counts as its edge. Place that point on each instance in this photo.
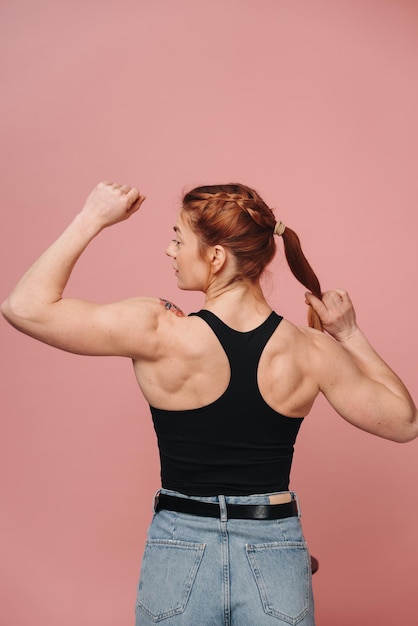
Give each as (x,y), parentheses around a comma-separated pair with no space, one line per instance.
(234,511)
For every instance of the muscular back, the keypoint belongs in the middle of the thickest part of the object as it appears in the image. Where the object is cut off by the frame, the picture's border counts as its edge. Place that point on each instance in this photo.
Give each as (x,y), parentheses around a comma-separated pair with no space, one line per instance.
(190,368)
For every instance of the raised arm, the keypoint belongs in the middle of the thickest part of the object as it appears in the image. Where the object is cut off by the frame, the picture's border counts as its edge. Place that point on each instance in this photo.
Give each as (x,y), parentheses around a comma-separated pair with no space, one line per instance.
(36,305)
(355,379)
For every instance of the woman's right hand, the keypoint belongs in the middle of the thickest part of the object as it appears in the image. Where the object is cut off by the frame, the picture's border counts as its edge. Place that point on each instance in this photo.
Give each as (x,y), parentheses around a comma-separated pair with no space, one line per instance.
(110,203)
(36,305)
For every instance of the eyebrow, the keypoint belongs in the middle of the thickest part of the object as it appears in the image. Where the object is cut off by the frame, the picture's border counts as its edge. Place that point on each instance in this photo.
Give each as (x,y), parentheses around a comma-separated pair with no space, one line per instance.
(176,229)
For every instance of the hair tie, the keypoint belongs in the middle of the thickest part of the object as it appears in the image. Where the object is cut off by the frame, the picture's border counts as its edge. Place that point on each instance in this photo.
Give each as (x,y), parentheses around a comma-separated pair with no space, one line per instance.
(279,228)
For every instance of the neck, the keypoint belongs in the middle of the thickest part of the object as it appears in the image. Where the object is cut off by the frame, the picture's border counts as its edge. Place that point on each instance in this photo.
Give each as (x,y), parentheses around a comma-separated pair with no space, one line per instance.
(240,304)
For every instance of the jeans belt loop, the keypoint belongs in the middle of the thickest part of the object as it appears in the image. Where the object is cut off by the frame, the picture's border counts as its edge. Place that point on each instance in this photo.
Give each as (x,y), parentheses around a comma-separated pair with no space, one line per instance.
(223,509)
(295,497)
(155,500)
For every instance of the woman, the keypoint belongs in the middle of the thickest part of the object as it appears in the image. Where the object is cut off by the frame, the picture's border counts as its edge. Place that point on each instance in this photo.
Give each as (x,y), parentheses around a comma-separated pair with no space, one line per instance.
(228,389)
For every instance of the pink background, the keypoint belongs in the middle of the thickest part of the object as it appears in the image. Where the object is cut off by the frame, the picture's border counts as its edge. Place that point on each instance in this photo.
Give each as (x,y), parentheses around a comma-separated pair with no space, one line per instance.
(312,102)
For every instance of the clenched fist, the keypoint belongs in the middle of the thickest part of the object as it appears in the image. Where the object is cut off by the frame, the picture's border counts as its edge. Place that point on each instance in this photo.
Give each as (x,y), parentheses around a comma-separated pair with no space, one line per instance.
(110,203)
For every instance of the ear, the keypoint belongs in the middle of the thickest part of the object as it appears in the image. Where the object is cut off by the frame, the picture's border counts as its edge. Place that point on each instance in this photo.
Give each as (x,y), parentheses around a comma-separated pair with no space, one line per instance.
(217,257)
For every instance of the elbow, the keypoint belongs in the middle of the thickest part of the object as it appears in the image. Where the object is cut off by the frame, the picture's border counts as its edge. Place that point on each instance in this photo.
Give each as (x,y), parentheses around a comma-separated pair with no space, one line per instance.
(15,313)
(410,430)
(407,438)
(413,425)
(6,310)
(413,435)
(10,315)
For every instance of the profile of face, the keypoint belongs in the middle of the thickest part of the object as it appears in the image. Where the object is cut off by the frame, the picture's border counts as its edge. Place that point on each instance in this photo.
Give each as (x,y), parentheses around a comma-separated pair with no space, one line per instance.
(191,268)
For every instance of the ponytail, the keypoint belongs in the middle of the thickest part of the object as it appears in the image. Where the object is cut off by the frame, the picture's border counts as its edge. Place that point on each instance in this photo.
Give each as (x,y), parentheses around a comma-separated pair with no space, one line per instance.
(301,269)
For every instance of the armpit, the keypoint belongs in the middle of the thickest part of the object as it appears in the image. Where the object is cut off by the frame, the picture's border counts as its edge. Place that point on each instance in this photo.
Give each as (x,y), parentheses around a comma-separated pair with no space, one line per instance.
(171,307)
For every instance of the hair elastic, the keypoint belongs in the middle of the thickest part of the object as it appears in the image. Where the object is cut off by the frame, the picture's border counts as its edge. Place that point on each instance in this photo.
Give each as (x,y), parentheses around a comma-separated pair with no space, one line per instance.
(279,228)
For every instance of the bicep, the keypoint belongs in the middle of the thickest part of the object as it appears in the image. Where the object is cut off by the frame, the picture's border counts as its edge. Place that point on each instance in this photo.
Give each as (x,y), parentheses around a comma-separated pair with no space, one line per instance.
(118,329)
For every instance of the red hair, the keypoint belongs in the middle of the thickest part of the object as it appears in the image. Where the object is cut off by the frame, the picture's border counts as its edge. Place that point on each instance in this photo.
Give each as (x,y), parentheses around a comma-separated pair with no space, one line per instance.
(236,217)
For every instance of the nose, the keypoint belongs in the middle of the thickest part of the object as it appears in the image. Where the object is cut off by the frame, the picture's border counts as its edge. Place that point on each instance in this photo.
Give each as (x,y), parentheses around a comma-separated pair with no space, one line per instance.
(171,250)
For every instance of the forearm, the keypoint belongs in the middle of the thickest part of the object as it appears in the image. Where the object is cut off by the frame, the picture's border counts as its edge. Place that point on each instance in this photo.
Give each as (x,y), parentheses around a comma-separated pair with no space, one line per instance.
(44,282)
(370,363)
(375,368)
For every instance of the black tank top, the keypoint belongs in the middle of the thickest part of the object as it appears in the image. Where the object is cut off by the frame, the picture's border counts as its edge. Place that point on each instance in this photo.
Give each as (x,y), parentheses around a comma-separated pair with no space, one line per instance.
(237,445)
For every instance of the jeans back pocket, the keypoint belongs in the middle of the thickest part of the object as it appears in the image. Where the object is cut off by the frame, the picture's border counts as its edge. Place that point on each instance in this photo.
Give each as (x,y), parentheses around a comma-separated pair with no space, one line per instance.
(282,574)
(168,571)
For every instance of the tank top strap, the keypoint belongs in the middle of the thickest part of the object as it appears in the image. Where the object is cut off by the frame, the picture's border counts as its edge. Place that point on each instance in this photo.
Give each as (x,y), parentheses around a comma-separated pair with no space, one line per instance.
(236,342)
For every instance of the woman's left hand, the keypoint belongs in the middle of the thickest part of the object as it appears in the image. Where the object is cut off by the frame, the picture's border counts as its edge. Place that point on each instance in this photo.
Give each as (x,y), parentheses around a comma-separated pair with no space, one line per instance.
(336,313)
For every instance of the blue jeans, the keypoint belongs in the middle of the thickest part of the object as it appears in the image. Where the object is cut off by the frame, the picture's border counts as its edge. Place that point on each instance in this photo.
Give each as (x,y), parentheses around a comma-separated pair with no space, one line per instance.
(200,571)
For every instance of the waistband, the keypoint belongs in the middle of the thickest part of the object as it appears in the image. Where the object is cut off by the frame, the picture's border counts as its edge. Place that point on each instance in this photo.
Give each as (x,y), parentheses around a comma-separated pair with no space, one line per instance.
(225,510)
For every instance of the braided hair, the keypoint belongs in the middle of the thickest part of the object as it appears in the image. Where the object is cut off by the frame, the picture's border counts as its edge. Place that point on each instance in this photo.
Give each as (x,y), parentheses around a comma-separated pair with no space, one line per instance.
(236,217)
